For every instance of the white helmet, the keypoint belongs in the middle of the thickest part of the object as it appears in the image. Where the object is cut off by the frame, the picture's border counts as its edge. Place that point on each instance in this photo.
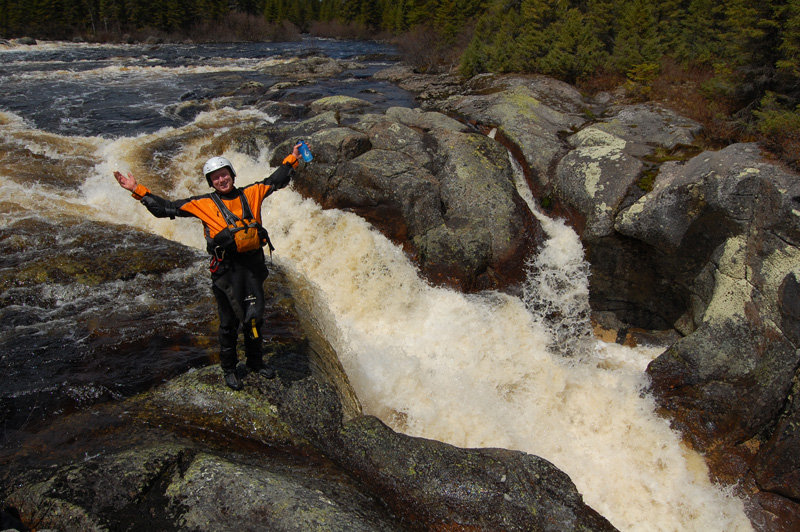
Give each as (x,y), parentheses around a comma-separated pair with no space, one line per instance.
(215,163)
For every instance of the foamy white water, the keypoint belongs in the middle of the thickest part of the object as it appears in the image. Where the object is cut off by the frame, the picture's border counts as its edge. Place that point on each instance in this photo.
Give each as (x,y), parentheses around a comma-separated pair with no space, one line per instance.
(475,371)
(556,290)
(123,71)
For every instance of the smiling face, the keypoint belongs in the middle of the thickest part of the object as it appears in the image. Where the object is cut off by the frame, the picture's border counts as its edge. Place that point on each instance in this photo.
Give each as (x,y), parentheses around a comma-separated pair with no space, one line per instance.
(221,180)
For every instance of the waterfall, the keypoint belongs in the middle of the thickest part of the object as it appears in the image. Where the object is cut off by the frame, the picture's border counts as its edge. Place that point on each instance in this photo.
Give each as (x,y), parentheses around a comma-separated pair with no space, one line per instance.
(478,370)
(556,290)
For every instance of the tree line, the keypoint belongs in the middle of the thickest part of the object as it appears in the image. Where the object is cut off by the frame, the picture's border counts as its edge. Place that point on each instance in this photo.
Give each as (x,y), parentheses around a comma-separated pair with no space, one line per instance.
(58,19)
(737,59)
(100,19)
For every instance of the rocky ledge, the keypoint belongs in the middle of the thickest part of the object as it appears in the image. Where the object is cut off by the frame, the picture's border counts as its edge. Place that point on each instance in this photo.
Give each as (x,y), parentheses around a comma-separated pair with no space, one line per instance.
(289,453)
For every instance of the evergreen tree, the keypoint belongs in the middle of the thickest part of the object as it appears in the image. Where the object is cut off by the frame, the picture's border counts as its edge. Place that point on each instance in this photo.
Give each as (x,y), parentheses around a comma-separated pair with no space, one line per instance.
(368,14)
(137,14)
(110,14)
(300,13)
(669,15)
(393,16)
(173,15)
(751,32)
(531,33)
(637,41)
(449,19)
(602,15)
(45,16)
(418,12)
(789,62)
(74,15)
(508,50)
(275,10)
(327,10)
(251,7)
(471,8)
(575,50)
(493,47)
(698,32)
(361,12)
(11,17)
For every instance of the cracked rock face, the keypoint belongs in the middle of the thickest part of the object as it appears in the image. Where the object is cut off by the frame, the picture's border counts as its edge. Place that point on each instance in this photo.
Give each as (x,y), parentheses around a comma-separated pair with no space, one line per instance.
(595,177)
(430,184)
(704,244)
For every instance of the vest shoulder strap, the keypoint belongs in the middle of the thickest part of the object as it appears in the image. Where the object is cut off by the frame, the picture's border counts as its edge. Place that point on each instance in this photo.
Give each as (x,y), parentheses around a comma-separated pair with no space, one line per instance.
(231,218)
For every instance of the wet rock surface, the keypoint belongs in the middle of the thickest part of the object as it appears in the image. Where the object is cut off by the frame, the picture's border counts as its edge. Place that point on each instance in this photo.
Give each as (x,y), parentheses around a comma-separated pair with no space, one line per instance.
(445,193)
(71,304)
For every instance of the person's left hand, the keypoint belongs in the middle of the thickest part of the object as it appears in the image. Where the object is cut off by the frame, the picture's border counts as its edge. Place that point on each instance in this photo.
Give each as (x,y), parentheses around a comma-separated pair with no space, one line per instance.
(296,151)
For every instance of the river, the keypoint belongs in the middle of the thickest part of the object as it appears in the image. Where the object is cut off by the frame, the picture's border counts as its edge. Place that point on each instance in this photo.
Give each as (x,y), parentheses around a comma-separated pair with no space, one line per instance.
(472,370)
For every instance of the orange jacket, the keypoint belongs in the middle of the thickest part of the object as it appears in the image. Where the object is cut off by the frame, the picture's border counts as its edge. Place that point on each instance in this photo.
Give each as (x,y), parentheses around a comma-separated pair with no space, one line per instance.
(204,208)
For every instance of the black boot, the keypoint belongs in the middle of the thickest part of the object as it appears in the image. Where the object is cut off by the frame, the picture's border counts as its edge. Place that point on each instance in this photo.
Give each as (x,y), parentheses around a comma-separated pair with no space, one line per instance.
(258,366)
(233,381)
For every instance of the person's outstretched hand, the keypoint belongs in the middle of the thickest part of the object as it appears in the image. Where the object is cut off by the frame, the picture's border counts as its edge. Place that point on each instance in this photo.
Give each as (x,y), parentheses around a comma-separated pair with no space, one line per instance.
(127,182)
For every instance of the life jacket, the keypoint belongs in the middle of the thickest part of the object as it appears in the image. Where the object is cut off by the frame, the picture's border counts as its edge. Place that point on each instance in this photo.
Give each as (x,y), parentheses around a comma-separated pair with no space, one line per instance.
(242,235)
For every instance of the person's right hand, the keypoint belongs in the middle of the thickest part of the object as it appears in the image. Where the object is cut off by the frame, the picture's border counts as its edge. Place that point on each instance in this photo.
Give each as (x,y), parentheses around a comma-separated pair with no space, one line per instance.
(127,182)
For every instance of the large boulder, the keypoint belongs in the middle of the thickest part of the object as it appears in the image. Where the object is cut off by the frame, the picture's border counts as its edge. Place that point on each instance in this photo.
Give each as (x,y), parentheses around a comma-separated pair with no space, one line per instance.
(734,224)
(595,177)
(532,113)
(312,67)
(610,162)
(655,270)
(777,468)
(648,126)
(713,252)
(337,103)
(488,231)
(423,179)
(723,184)
(448,488)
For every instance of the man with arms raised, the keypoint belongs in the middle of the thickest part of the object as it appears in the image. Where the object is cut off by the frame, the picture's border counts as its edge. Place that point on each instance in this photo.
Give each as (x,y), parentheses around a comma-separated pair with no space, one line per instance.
(231,219)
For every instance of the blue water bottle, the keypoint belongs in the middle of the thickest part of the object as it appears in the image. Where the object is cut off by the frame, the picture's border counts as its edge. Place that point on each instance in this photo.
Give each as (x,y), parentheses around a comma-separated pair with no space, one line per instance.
(305,152)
